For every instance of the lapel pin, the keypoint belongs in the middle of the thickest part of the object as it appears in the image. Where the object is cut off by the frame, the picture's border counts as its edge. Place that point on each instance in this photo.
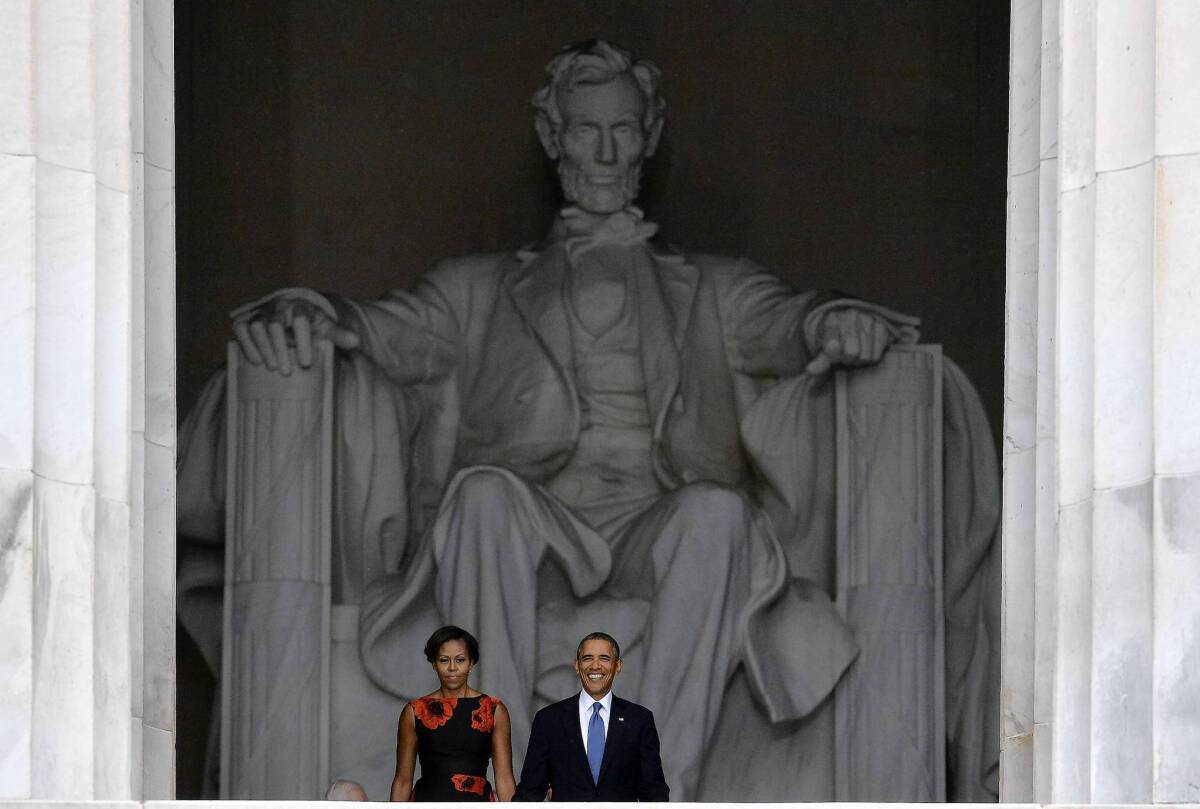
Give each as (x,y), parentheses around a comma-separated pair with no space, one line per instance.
(620,719)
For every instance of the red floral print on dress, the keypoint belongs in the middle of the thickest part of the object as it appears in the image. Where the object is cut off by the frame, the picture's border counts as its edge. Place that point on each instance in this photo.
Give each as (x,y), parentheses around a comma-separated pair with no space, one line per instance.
(484,717)
(433,712)
(468,783)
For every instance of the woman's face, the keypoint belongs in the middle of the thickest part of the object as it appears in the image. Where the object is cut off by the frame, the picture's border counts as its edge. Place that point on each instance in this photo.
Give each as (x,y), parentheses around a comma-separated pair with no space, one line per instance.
(452,664)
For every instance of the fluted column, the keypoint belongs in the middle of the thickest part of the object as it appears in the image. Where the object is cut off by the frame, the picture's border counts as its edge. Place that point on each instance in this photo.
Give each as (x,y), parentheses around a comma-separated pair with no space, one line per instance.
(1102,435)
(87,424)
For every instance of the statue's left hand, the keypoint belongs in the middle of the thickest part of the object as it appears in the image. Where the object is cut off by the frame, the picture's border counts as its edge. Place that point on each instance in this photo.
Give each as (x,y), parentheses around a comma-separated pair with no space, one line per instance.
(850,337)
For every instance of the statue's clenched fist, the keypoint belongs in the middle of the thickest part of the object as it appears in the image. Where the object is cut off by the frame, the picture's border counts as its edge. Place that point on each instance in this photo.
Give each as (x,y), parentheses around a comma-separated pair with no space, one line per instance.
(853,335)
(290,317)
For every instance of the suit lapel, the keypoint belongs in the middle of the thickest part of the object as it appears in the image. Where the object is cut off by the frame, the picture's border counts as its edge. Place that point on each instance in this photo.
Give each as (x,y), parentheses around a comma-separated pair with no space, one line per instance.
(679,281)
(666,289)
(536,288)
(574,732)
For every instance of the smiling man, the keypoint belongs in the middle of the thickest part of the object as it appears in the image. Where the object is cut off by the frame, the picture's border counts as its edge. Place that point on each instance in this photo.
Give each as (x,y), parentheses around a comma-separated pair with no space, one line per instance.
(594,746)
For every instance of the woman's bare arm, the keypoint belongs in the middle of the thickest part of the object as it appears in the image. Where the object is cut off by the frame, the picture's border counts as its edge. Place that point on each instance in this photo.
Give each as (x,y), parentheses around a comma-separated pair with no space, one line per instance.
(406,755)
(506,786)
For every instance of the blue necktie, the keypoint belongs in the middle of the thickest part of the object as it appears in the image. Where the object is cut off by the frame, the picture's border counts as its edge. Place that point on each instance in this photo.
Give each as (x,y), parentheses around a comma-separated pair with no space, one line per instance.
(595,742)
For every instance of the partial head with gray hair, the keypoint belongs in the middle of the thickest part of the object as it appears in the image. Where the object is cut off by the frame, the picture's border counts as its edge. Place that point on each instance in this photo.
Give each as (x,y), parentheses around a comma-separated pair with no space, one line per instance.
(343,790)
(599,115)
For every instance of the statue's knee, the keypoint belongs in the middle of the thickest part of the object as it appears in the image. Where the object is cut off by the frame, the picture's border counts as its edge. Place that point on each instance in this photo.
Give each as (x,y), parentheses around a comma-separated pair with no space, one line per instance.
(484,489)
(482,510)
(713,501)
(719,515)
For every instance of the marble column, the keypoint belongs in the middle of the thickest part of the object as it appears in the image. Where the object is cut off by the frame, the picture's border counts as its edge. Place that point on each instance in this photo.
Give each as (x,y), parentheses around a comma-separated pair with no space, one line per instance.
(1102,434)
(87,425)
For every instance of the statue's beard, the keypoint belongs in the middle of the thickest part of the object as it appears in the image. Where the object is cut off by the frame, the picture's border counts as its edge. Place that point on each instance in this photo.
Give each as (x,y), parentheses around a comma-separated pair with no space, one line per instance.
(602,199)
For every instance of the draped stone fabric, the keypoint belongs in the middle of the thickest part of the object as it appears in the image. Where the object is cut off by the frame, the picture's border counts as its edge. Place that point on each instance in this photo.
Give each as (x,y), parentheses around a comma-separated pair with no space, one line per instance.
(789,434)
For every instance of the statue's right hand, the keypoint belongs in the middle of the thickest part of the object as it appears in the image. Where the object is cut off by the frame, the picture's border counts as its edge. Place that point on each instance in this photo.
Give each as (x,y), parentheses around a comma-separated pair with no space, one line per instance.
(266,328)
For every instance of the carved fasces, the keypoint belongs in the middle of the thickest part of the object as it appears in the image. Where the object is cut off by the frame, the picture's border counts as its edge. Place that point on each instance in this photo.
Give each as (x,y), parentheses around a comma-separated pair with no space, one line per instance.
(890,706)
(275,662)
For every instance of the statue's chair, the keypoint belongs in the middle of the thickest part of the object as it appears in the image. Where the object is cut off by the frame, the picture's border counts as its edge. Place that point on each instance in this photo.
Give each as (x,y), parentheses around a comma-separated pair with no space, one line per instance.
(297,708)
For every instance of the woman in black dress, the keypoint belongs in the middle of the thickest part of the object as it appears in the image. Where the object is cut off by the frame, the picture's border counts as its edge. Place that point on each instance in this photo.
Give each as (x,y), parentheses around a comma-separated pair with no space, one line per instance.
(453,731)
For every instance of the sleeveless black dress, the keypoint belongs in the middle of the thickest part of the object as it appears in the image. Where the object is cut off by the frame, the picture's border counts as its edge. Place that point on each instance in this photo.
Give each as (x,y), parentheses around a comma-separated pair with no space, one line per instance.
(454,743)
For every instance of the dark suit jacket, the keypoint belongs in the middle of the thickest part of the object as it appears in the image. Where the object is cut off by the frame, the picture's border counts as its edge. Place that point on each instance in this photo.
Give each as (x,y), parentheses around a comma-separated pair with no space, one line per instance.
(631,769)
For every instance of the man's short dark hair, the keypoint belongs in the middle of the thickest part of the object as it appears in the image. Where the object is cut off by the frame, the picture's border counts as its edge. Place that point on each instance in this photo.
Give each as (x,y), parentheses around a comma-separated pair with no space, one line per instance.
(447,634)
(600,636)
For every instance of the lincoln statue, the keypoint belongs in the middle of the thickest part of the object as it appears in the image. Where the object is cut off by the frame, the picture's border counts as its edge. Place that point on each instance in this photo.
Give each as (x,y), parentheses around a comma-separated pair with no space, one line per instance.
(540,442)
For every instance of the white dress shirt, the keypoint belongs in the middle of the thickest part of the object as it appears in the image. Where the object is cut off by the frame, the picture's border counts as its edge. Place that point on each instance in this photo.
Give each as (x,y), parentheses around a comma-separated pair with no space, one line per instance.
(585,714)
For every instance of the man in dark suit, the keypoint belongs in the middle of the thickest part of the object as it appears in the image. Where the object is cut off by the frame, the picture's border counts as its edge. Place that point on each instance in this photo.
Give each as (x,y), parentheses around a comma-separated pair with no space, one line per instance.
(594,746)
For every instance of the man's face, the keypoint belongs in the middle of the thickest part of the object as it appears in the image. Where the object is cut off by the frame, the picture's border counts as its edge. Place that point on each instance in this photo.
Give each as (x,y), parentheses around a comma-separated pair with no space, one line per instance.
(602,144)
(597,666)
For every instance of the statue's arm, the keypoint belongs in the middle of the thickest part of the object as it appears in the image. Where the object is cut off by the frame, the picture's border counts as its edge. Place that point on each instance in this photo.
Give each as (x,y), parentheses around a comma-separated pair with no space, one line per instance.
(411,335)
(764,321)
(774,331)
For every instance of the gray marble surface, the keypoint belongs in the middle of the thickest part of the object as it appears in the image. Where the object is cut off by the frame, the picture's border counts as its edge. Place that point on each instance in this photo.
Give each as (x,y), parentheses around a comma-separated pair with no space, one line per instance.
(77,288)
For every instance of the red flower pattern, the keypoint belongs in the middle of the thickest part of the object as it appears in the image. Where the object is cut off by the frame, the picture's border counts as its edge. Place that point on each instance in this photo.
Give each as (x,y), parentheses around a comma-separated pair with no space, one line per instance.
(434,712)
(484,717)
(468,783)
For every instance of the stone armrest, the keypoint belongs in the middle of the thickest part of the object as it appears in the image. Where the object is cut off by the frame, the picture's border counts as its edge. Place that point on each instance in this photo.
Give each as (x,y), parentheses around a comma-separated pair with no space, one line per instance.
(278,582)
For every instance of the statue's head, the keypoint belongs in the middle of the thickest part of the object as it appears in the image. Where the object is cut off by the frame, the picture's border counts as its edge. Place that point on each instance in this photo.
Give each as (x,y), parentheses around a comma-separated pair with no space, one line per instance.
(599,115)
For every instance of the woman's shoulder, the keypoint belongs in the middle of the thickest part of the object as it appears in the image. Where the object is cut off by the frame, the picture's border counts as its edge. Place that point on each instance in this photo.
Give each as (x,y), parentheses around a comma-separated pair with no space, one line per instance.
(483,718)
(492,704)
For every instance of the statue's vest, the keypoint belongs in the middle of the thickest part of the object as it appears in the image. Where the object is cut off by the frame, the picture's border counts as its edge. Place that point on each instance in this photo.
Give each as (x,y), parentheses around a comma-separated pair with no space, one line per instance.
(520,405)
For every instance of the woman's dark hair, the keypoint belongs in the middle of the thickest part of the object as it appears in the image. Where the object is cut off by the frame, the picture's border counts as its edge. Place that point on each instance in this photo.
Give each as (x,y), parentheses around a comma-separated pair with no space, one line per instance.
(449,633)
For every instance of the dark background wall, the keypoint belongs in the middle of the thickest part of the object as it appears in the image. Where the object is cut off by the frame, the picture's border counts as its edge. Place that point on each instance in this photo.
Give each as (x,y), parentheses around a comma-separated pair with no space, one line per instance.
(346,144)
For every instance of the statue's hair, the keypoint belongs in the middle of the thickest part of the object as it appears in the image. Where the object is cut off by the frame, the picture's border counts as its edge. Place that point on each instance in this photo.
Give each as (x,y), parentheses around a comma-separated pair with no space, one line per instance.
(595,61)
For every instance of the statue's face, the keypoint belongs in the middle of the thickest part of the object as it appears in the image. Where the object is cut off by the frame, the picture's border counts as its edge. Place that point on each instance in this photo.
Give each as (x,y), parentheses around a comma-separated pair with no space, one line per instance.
(602,143)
